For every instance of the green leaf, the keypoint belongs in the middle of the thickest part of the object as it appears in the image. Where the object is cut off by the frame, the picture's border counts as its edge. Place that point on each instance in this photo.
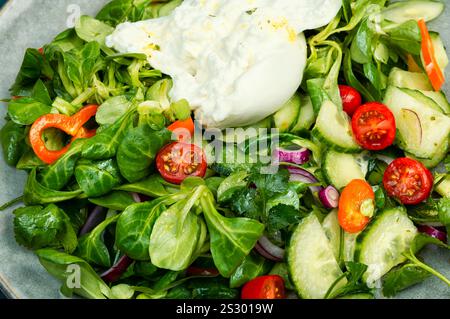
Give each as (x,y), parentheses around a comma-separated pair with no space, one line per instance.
(91,246)
(406,36)
(213,183)
(138,150)
(361,47)
(74,271)
(271,184)
(122,291)
(116,200)
(79,65)
(403,277)
(36,227)
(420,241)
(212,288)
(26,110)
(115,11)
(375,76)
(282,216)
(12,137)
(40,93)
(355,284)
(253,266)
(353,81)
(135,226)
(423,240)
(29,160)
(57,175)
(159,92)
(347,10)
(317,93)
(90,29)
(63,42)
(36,194)
(443,207)
(233,183)
(29,72)
(281,269)
(106,143)
(232,239)
(248,203)
(112,110)
(97,178)
(153,186)
(176,234)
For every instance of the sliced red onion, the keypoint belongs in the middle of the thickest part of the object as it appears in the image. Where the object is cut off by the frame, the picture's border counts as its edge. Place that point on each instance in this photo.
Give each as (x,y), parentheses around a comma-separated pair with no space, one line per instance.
(300,156)
(329,197)
(136,197)
(269,250)
(433,232)
(265,254)
(303,176)
(115,272)
(94,219)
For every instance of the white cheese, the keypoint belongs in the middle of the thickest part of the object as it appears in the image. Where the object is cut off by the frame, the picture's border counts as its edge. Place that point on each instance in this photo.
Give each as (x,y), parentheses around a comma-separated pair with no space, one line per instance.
(235,61)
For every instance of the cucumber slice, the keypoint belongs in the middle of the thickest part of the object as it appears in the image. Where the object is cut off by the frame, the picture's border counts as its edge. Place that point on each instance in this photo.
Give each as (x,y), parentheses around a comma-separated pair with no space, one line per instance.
(435,125)
(422,98)
(436,158)
(311,261)
(349,246)
(443,188)
(409,80)
(333,232)
(306,117)
(440,99)
(410,127)
(334,130)
(287,116)
(381,245)
(241,134)
(401,12)
(339,169)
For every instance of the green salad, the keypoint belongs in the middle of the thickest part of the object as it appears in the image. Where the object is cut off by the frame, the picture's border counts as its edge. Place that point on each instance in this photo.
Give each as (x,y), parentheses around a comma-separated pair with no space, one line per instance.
(333,196)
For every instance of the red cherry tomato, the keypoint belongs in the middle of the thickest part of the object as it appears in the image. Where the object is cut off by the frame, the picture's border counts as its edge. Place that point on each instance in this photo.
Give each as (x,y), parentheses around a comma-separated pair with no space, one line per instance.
(408,180)
(351,99)
(374,126)
(265,287)
(178,161)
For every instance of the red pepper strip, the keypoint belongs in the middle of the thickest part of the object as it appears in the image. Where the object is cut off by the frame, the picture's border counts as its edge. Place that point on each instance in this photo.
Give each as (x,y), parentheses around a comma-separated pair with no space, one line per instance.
(84,133)
(71,125)
(184,129)
(434,72)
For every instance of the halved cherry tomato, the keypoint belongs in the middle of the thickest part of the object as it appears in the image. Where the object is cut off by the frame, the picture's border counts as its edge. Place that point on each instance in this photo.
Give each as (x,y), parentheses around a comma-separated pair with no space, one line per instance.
(265,287)
(178,161)
(183,129)
(408,180)
(356,206)
(431,65)
(351,99)
(72,125)
(374,126)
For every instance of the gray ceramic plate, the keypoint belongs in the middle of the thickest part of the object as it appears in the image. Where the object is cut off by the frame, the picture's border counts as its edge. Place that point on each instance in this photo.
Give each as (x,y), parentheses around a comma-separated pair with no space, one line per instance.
(32,23)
